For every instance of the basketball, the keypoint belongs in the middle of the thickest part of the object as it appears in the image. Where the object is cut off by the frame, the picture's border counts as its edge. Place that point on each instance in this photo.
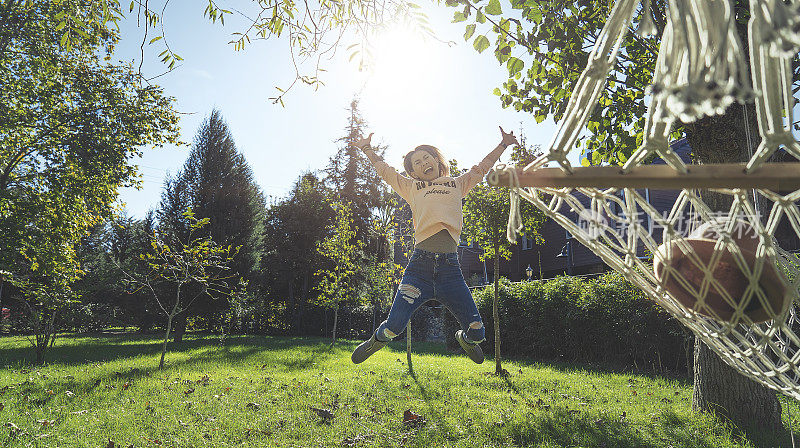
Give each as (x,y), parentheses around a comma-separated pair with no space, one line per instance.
(683,276)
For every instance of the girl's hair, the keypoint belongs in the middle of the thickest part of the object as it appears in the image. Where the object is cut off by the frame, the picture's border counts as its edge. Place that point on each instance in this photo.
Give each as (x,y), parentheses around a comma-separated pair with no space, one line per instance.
(444,167)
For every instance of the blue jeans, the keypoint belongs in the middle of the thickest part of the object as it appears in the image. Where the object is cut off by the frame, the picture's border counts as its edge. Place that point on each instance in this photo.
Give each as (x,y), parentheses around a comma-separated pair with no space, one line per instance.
(430,276)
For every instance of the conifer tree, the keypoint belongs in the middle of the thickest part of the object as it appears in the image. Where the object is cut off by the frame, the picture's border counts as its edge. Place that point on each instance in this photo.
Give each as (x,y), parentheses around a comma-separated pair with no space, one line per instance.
(217,183)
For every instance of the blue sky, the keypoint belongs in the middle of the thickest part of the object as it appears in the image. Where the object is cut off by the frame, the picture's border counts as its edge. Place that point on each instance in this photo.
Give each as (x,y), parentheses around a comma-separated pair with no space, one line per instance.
(419,92)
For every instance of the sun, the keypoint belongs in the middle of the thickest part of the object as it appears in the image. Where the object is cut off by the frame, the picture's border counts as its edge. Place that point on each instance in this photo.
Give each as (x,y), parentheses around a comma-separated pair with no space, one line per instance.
(406,71)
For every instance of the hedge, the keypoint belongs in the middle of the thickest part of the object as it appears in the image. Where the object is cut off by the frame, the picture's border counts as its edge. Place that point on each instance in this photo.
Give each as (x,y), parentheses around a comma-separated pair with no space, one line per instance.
(602,320)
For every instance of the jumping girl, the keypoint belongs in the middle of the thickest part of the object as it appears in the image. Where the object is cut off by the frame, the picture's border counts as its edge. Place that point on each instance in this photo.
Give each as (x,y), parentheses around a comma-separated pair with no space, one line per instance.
(433,271)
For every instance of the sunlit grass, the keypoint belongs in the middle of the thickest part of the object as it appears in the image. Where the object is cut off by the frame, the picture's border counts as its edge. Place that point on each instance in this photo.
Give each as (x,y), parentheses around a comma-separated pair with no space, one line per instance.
(283,392)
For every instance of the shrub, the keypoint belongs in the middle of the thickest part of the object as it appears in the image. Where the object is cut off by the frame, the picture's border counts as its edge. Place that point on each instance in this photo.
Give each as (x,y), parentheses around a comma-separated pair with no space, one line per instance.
(601,320)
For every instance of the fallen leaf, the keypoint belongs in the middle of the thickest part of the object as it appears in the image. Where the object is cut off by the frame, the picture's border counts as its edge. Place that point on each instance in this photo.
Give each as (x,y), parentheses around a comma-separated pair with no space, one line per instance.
(188,391)
(412,420)
(254,406)
(126,385)
(45,422)
(69,393)
(110,444)
(324,414)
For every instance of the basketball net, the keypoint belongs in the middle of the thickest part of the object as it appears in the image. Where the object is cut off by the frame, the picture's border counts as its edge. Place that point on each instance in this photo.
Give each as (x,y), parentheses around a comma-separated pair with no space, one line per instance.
(721,274)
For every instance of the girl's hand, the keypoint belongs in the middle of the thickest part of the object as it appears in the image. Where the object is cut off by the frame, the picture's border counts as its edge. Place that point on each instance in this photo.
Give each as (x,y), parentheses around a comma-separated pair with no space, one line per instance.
(365,143)
(508,138)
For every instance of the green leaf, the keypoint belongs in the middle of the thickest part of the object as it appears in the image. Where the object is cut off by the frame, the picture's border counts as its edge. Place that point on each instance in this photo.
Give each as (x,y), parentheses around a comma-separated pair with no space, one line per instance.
(479,17)
(470,30)
(493,8)
(155,39)
(539,118)
(515,65)
(459,16)
(481,43)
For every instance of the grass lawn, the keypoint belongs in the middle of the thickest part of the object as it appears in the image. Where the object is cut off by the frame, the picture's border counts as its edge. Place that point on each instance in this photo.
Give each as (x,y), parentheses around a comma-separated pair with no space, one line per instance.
(293,392)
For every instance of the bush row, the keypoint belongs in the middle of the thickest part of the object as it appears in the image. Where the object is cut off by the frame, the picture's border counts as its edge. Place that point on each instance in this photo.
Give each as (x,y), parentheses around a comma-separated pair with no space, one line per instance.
(599,320)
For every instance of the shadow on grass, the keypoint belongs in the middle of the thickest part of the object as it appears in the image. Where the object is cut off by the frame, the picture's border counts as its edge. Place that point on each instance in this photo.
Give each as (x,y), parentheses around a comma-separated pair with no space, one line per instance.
(86,352)
(107,348)
(567,427)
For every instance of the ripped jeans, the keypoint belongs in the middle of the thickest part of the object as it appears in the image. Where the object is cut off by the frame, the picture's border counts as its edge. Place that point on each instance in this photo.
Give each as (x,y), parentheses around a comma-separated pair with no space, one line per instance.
(430,276)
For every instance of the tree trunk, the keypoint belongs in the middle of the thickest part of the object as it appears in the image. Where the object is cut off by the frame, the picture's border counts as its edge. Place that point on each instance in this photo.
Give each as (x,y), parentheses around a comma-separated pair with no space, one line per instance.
(335,321)
(303,301)
(718,388)
(180,326)
(408,347)
(166,339)
(292,306)
(498,367)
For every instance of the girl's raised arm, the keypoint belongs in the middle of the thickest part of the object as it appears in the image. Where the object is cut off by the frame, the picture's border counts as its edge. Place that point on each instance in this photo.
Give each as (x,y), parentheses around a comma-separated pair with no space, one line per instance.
(398,182)
(477,173)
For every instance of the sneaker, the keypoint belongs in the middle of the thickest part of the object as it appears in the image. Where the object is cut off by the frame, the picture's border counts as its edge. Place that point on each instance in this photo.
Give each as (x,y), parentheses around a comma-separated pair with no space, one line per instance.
(366,349)
(473,350)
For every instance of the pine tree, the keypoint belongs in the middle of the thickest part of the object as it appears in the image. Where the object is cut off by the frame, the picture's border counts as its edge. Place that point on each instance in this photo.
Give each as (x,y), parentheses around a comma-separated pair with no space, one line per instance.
(217,183)
(351,176)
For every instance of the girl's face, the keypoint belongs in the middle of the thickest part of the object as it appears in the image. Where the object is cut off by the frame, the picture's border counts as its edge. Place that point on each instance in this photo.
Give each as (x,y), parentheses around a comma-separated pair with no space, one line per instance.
(426,166)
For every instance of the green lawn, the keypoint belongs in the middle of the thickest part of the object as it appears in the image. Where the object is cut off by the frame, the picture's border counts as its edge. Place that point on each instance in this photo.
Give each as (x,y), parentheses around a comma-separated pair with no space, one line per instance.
(293,392)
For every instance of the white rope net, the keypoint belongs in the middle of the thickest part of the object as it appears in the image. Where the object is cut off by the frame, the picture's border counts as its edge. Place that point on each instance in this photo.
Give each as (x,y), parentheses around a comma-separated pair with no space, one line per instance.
(723,275)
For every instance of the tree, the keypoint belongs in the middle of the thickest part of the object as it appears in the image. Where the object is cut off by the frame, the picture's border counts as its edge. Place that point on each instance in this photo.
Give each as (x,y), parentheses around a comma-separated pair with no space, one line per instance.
(293,229)
(44,301)
(337,283)
(71,124)
(217,183)
(485,222)
(351,176)
(196,268)
(112,244)
(545,53)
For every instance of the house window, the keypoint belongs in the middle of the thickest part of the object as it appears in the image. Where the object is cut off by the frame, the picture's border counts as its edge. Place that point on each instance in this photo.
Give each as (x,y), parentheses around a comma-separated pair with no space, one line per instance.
(527,244)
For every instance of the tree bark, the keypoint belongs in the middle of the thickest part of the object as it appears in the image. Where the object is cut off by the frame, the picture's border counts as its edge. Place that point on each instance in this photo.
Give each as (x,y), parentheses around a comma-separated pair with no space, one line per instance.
(298,317)
(719,388)
(408,348)
(292,305)
(335,321)
(498,367)
(166,339)
(180,326)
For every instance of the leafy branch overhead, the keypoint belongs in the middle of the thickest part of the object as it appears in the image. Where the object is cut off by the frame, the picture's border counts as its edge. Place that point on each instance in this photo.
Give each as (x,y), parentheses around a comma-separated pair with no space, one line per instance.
(545,47)
(314,30)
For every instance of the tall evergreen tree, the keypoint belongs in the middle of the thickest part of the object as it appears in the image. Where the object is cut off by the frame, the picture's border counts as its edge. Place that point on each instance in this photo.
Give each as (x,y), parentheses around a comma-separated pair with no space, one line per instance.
(351,176)
(217,183)
(294,227)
